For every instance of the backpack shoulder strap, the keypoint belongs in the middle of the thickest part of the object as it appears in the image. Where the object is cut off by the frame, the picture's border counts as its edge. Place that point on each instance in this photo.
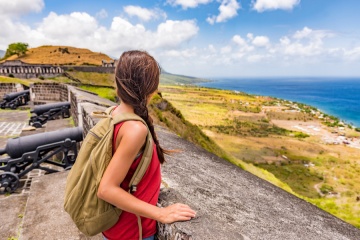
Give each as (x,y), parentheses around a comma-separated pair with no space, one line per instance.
(148,151)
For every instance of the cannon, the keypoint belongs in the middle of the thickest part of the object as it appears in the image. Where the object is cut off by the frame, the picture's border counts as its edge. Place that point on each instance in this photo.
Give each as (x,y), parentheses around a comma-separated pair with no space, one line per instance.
(37,151)
(15,99)
(42,113)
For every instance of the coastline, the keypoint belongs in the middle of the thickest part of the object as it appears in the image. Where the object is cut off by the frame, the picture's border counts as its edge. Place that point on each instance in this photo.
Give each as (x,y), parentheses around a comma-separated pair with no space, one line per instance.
(332,96)
(275,140)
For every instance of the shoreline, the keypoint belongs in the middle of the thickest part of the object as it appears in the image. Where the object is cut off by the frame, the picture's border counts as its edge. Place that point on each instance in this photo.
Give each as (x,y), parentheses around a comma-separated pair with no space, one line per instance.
(320,108)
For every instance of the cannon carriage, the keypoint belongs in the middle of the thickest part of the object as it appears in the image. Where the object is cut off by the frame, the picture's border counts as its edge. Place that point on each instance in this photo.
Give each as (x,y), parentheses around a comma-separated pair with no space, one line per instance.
(15,99)
(42,113)
(37,151)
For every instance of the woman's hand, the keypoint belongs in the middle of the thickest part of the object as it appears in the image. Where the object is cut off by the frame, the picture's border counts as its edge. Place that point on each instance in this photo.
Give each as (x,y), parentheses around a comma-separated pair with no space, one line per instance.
(176,212)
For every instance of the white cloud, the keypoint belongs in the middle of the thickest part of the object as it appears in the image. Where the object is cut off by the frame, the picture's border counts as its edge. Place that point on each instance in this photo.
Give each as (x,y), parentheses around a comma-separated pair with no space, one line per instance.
(64,27)
(250,36)
(18,7)
(102,14)
(211,48)
(185,4)
(80,29)
(264,5)
(239,40)
(184,54)
(261,41)
(256,58)
(143,13)
(228,9)
(353,54)
(225,50)
(305,42)
(172,33)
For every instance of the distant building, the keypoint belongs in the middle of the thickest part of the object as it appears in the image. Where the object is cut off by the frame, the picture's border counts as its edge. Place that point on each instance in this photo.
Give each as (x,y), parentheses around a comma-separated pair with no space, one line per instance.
(20,69)
(111,63)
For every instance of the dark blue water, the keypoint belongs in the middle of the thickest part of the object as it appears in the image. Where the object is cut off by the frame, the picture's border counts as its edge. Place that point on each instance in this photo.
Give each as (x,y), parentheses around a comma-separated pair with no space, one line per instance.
(339,97)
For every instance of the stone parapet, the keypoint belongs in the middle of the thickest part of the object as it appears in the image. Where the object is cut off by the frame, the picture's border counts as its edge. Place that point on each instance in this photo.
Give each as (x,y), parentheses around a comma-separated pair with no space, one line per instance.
(41,93)
(230,202)
(89,69)
(6,88)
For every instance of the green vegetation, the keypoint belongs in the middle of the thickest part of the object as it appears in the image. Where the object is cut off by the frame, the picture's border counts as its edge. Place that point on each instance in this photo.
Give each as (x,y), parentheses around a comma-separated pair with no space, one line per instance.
(173,119)
(94,78)
(104,92)
(301,135)
(297,176)
(292,160)
(168,78)
(325,189)
(18,48)
(16,80)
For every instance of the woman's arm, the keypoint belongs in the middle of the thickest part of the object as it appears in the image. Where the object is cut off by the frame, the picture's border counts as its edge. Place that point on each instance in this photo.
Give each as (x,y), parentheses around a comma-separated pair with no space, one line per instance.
(133,136)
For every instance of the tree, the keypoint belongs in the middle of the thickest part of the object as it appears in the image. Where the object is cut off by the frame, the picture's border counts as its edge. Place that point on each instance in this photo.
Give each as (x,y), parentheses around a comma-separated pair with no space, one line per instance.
(18,48)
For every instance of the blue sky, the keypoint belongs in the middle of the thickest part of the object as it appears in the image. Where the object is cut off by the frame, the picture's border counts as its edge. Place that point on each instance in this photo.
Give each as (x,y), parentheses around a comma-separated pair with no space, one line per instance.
(203,38)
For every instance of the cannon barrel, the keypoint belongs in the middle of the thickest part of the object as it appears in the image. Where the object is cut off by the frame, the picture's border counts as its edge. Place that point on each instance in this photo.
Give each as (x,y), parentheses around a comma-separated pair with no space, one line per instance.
(40,109)
(16,147)
(13,95)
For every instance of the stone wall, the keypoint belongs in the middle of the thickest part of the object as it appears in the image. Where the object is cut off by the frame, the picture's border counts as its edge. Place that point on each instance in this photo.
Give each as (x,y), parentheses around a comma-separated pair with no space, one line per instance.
(90,69)
(47,92)
(6,88)
(21,69)
(77,98)
(230,202)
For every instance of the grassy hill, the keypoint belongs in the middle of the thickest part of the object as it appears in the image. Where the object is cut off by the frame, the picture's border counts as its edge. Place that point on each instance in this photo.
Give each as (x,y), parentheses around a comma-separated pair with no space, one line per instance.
(65,55)
(62,55)
(168,78)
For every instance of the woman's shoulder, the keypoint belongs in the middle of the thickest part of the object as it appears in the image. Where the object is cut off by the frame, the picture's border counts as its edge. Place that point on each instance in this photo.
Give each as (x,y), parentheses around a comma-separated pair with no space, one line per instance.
(134,128)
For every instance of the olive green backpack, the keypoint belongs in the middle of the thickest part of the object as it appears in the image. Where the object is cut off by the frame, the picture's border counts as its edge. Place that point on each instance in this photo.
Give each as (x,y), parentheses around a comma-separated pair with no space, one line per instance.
(91,214)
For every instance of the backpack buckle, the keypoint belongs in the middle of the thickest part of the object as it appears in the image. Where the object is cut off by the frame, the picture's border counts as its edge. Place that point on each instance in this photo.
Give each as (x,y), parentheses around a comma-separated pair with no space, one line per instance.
(133,188)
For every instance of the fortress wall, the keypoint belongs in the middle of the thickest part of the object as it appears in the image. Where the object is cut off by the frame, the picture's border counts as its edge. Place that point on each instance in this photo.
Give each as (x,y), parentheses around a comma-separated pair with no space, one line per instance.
(78,98)
(6,88)
(90,69)
(41,93)
(230,202)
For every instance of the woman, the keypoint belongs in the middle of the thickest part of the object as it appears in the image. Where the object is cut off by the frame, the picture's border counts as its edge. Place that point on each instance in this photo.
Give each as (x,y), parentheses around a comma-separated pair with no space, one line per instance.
(137,79)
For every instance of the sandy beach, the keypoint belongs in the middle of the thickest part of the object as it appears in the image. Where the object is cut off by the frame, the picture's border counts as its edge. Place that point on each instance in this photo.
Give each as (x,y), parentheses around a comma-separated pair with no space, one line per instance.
(326,134)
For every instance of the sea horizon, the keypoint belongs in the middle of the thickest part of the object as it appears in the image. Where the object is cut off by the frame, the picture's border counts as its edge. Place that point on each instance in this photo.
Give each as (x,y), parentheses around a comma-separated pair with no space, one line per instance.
(336,96)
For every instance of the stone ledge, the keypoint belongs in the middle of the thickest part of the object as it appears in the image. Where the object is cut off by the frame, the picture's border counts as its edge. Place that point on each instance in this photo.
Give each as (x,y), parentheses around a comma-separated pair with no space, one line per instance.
(234,204)
(45,217)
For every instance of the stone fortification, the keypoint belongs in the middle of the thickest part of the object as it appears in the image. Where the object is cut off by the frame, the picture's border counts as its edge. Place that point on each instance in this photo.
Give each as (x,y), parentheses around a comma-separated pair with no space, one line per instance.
(90,69)
(21,69)
(230,202)
(6,88)
(41,93)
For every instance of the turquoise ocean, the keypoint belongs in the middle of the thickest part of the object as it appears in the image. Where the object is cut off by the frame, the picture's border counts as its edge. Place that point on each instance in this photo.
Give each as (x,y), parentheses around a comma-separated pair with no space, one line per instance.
(339,97)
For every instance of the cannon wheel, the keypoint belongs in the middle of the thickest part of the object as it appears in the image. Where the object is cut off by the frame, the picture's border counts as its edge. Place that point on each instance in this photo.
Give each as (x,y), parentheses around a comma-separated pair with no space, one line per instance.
(9,182)
(37,125)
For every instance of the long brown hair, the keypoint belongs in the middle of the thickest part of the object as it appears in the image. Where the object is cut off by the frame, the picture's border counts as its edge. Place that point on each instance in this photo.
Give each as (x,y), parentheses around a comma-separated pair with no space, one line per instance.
(137,78)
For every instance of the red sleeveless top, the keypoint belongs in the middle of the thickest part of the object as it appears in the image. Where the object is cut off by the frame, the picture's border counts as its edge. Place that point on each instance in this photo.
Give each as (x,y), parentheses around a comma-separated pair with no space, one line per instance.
(147,190)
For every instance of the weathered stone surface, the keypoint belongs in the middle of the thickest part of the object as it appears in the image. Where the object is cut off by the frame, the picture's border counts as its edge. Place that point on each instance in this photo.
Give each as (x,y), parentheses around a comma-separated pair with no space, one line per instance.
(11,216)
(45,217)
(230,203)
(234,204)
